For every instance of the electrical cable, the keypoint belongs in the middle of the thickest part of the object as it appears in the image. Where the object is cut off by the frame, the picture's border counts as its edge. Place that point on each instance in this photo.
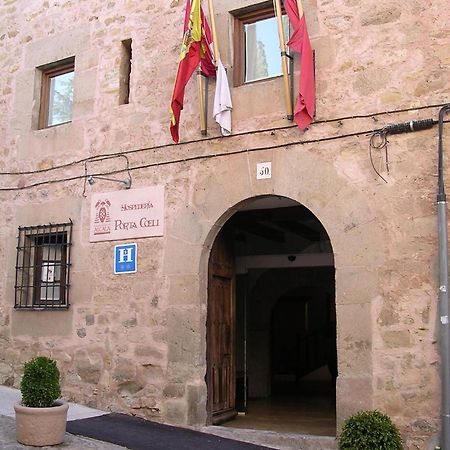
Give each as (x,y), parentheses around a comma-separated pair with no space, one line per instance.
(215,155)
(379,141)
(381,144)
(196,141)
(191,158)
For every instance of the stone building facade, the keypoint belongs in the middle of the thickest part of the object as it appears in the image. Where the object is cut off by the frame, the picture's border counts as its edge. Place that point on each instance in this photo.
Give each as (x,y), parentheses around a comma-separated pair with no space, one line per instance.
(137,343)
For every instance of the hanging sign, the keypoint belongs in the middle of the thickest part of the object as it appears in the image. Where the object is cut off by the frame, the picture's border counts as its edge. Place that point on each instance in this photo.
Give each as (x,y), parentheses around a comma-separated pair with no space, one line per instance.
(131,213)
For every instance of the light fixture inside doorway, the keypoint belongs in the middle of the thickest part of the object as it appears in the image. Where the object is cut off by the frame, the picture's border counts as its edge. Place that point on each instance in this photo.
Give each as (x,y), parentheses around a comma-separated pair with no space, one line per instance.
(91,180)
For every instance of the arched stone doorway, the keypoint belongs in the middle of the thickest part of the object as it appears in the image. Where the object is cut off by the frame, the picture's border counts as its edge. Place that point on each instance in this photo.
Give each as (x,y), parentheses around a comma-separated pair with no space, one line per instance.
(271,322)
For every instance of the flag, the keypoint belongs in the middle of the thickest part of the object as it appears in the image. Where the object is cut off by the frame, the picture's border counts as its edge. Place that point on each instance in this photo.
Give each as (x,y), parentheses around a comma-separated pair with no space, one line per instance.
(222,101)
(195,50)
(299,42)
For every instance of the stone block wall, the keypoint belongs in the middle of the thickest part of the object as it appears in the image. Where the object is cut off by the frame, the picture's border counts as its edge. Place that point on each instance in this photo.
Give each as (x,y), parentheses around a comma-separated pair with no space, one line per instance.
(136,344)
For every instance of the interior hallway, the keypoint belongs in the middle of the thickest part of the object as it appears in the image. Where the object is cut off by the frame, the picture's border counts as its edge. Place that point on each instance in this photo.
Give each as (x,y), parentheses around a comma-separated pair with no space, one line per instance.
(304,413)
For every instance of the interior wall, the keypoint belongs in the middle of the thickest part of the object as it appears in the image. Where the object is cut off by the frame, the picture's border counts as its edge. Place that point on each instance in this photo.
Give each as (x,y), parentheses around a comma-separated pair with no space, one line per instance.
(266,287)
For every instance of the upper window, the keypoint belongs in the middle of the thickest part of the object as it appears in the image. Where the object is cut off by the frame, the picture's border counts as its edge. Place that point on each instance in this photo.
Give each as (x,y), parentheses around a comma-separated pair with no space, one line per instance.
(256,44)
(56,93)
(42,268)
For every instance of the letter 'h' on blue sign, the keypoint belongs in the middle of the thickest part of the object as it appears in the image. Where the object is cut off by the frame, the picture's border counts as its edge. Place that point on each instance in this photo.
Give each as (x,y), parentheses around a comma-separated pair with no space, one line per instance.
(125,258)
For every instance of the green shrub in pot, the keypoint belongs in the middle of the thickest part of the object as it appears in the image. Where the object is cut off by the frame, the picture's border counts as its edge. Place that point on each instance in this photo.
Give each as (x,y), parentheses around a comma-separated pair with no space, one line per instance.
(369,430)
(40,416)
(40,385)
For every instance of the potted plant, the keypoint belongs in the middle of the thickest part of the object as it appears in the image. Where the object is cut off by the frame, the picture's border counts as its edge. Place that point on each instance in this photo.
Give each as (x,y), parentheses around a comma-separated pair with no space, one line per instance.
(367,430)
(40,417)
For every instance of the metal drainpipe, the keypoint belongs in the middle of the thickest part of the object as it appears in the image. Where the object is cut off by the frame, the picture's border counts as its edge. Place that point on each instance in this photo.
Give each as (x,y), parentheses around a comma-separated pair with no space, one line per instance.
(443,289)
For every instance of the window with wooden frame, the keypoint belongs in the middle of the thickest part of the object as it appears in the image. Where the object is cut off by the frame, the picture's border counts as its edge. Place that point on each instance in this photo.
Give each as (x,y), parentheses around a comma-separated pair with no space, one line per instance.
(257,53)
(42,266)
(56,93)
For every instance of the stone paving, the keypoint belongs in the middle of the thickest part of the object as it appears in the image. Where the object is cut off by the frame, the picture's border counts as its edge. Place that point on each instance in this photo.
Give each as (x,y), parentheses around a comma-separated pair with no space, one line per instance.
(71,442)
(9,396)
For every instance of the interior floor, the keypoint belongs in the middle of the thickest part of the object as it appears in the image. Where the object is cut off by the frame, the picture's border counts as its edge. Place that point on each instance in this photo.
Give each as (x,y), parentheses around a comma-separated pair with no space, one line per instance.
(307,412)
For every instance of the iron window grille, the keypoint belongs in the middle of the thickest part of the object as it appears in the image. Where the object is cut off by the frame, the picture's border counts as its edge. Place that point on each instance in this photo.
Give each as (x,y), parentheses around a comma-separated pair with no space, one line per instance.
(42,266)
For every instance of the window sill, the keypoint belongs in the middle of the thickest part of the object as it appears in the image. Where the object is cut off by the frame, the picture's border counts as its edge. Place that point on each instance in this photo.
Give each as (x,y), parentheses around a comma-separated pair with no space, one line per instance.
(54,126)
(36,308)
(260,81)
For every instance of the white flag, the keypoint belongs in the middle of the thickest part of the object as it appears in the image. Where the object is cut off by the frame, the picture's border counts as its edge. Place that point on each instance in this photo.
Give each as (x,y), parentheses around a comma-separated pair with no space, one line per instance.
(222,101)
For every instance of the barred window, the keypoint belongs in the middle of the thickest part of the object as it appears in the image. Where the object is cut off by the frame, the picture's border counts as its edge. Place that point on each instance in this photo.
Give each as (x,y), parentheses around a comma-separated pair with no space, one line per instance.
(42,267)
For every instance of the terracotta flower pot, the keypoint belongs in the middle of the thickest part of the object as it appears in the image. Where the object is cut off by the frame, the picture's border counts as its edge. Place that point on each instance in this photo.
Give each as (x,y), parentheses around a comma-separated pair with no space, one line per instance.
(41,426)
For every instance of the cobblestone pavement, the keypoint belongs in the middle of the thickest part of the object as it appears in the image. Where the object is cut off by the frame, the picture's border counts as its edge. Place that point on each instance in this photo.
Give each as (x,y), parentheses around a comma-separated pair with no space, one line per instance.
(71,442)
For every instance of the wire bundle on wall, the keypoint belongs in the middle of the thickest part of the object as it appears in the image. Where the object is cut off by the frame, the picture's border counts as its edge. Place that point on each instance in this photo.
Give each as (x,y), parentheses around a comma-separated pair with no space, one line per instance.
(378,141)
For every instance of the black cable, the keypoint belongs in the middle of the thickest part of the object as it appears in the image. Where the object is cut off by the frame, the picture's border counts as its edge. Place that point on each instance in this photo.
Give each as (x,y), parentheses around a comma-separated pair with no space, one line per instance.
(196,141)
(191,158)
(378,140)
(198,157)
(381,144)
(412,125)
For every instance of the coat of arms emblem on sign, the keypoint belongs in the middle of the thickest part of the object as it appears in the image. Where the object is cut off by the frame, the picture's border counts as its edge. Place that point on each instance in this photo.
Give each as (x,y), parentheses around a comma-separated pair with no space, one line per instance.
(102,218)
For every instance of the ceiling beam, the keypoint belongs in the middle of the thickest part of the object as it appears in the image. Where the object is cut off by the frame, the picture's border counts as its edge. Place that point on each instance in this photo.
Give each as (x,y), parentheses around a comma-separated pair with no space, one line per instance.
(244,263)
(260,230)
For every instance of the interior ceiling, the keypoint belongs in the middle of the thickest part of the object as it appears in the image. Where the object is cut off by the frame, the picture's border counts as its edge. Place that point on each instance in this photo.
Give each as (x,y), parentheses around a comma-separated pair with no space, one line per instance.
(292,227)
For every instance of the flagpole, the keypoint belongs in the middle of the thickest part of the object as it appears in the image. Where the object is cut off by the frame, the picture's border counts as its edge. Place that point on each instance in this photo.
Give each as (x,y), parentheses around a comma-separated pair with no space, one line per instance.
(222,97)
(201,97)
(284,60)
(214,31)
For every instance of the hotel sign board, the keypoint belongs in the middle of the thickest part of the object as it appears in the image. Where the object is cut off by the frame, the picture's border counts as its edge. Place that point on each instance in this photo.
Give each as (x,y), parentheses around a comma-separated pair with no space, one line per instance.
(127,214)
(125,258)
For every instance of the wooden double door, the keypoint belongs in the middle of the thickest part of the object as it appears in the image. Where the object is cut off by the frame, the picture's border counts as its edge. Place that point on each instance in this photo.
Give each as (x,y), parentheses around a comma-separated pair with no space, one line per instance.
(220,374)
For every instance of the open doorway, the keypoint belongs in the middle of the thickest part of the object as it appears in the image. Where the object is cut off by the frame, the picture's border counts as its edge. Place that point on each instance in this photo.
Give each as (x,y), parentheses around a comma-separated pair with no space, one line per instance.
(271,336)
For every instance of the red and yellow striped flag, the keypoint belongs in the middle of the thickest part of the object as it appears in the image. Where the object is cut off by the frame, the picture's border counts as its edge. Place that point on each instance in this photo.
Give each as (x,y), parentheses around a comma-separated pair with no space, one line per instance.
(195,50)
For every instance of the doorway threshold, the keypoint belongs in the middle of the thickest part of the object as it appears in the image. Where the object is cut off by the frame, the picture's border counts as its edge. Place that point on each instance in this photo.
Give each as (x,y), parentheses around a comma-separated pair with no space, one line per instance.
(274,439)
